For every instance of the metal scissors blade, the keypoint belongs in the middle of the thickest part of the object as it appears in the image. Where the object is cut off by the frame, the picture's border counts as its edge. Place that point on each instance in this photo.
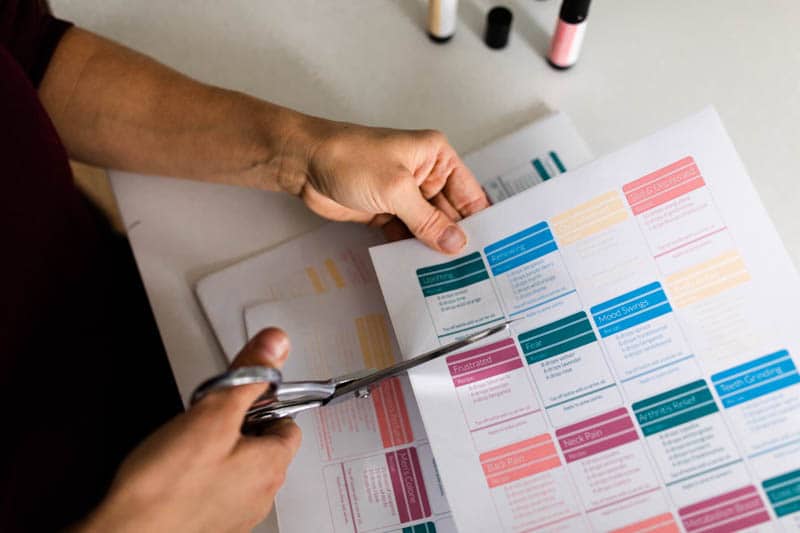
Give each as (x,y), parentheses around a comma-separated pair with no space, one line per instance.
(289,398)
(360,387)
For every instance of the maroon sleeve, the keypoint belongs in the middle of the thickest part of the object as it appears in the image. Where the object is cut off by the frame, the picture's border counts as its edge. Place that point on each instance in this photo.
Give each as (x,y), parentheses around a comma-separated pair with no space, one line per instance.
(30,33)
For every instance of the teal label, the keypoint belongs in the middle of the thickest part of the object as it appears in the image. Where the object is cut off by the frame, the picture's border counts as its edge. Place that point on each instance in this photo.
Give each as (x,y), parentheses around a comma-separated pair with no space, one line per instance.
(561,336)
(675,407)
(783,493)
(452,275)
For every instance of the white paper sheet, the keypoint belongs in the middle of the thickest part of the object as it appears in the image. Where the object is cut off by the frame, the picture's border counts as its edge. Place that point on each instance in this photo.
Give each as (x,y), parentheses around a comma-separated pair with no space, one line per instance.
(651,383)
(365,463)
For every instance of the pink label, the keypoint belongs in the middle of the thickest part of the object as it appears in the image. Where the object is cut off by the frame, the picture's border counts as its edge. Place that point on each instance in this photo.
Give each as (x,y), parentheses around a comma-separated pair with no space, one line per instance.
(408,485)
(519,460)
(485,362)
(663,185)
(597,434)
(732,511)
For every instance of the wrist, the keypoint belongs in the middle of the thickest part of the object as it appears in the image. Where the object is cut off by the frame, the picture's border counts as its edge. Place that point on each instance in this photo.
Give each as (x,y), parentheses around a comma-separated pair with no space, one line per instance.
(290,138)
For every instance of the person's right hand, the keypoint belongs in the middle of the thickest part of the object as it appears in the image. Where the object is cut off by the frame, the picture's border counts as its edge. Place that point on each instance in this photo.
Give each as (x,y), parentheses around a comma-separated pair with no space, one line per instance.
(198,472)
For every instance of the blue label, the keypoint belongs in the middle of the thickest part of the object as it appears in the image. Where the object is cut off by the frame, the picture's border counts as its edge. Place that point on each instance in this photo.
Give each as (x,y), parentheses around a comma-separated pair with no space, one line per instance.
(520,248)
(630,309)
(755,378)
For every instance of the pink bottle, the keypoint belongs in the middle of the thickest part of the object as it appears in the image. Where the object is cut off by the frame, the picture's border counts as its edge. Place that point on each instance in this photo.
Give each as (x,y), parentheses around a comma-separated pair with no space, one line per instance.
(568,37)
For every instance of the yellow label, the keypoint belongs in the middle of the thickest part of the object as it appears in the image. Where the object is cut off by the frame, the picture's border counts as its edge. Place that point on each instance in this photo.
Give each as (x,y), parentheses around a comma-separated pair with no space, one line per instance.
(707,279)
(338,280)
(589,218)
(375,342)
(319,287)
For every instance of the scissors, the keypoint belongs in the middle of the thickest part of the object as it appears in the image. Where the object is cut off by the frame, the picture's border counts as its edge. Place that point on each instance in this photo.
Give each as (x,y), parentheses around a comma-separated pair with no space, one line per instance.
(289,398)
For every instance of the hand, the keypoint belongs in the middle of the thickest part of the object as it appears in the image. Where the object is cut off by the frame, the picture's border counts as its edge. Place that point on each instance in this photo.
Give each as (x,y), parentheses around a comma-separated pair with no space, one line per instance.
(363,174)
(198,472)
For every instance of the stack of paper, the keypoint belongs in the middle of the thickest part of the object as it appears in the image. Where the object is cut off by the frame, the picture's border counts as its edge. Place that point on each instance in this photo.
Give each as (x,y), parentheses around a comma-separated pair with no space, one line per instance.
(365,465)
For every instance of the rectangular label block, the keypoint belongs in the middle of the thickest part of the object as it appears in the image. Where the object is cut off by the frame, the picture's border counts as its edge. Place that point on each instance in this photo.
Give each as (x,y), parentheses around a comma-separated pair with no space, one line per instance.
(677,215)
(644,341)
(589,218)
(707,279)
(596,435)
(663,185)
(783,493)
(631,309)
(377,492)
(496,397)
(689,442)
(520,248)
(762,402)
(611,470)
(459,295)
(732,511)
(530,492)
(529,272)
(569,369)
(519,460)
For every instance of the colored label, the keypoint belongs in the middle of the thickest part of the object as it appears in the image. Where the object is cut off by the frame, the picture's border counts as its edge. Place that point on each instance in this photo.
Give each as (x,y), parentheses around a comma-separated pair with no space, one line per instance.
(482,363)
(520,248)
(519,460)
(375,341)
(663,185)
(496,397)
(675,407)
(569,369)
(589,218)
(756,378)
(663,523)
(456,274)
(409,490)
(426,527)
(631,309)
(597,434)
(557,337)
(707,279)
(334,273)
(783,493)
(732,511)
(392,414)
(315,280)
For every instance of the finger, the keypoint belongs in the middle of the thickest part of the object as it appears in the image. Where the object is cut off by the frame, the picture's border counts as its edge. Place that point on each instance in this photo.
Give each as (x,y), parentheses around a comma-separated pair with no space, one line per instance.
(269,347)
(446,207)
(463,190)
(223,411)
(426,222)
(264,460)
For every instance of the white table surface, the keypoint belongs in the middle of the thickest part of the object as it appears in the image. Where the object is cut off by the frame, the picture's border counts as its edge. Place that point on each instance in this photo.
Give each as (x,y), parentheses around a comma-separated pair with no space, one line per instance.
(644,65)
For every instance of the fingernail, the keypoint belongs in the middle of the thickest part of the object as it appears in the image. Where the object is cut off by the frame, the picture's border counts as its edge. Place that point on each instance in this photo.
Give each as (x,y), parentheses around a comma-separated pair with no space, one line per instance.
(452,240)
(279,351)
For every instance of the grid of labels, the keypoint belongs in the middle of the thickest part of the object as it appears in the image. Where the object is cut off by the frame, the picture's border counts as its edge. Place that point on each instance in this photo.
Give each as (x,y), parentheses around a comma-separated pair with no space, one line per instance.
(614,426)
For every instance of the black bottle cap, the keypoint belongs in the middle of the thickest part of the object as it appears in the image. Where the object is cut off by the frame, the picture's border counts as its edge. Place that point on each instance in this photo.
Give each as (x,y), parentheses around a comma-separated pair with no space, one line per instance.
(498,26)
(574,11)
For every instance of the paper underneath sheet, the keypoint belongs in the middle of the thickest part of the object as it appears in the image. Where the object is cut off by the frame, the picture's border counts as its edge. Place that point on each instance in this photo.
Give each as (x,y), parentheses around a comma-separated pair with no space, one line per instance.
(365,463)
(652,383)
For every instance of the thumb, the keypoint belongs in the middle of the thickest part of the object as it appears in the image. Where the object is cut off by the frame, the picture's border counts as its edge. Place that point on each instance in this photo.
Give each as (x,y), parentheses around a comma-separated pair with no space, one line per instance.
(269,347)
(426,222)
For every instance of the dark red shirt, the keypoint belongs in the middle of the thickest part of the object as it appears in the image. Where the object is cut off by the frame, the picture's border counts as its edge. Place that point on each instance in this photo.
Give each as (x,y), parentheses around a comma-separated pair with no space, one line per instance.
(83,375)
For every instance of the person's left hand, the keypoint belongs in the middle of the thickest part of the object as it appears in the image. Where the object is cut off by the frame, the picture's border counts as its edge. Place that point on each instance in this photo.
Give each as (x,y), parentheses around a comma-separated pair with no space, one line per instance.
(372,175)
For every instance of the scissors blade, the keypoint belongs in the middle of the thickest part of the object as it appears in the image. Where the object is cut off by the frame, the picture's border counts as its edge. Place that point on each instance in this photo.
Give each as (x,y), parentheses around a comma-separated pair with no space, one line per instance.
(359,386)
